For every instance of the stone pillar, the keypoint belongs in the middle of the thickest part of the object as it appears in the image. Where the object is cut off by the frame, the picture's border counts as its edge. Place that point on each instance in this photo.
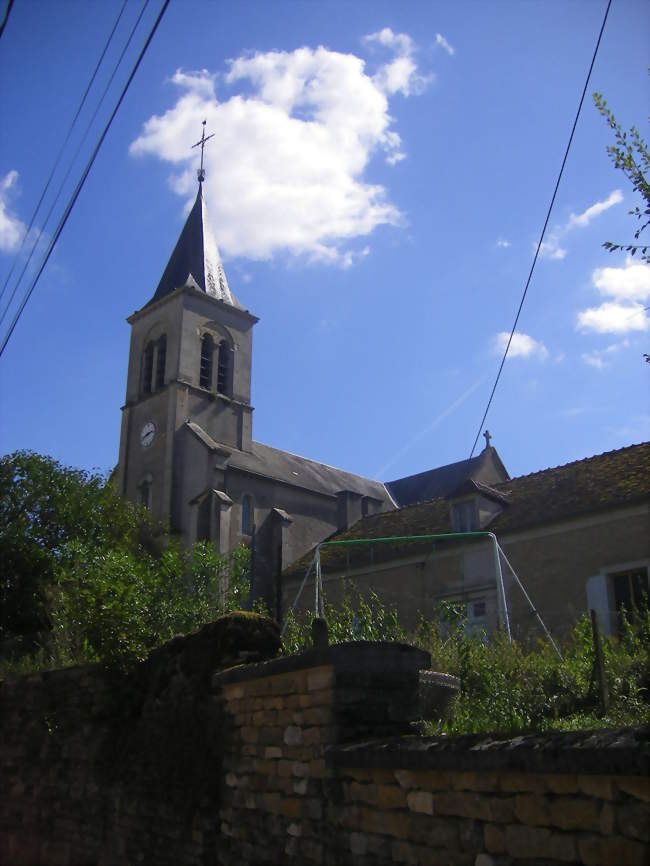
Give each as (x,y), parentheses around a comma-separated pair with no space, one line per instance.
(279,718)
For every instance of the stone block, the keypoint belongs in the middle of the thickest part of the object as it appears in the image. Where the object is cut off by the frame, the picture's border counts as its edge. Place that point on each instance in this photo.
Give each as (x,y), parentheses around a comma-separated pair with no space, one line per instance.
(635,786)
(494,837)
(612,851)
(533,810)
(404,852)
(320,678)
(522,782)
(390,797)
(420,801)
(475,781)
(607,822)
(300,769)
(633,820)
(272,752)
(358,843)
(467,804)
(601,787)
(289,807)
(575,813)
(540,842)
(300,787)
(561,783)
(292,735)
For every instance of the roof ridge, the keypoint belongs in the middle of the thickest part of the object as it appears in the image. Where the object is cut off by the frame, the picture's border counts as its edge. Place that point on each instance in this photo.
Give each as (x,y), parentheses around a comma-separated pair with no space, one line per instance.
(319,462)
(571,463)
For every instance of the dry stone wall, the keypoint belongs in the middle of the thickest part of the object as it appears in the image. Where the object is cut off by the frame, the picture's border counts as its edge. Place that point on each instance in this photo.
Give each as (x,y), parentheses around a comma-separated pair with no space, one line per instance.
(309,759)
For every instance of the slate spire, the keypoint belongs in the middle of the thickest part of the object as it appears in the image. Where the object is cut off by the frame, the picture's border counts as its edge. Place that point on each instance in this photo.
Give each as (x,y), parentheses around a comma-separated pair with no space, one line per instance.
(196,261)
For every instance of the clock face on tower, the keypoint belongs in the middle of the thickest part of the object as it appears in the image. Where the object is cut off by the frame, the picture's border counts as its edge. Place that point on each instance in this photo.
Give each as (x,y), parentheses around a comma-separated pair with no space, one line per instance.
(147,434)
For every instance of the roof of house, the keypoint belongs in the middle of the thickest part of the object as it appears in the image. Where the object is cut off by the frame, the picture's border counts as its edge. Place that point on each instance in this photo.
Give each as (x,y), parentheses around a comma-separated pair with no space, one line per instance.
(443,481)
(600,483)
(196,261)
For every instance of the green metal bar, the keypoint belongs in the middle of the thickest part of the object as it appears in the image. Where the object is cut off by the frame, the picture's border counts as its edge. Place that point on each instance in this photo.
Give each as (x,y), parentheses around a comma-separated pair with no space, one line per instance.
(444,536)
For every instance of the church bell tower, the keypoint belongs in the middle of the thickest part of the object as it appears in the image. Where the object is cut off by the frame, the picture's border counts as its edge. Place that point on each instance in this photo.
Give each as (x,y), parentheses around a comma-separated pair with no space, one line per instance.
(189,376)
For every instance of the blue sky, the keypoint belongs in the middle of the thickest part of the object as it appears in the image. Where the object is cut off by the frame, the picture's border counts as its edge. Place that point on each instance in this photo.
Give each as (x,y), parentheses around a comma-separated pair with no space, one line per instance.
(377,182)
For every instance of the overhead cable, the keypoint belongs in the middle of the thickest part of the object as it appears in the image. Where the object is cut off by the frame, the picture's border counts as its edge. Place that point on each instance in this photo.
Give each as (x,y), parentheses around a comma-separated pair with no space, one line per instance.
(3,23)
(54,168)
(541,238)
(82,180)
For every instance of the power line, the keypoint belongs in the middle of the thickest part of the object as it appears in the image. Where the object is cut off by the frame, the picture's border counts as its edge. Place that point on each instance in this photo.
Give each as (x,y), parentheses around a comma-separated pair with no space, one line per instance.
(72,161)
(6,17)
(82,180)
(54,168)
(541,238)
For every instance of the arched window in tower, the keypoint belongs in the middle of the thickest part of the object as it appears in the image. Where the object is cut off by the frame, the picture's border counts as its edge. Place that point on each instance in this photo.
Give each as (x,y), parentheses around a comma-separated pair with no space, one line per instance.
(223,369)
(147,368)
(161,359)
(247,515)
(145,492)
(207,354)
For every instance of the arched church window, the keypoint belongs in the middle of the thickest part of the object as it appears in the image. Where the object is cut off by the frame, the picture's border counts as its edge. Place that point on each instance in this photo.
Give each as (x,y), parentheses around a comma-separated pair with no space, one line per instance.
(223,368)
(207,355)
(161,359)
(145,493)
(147,368)
(247,515)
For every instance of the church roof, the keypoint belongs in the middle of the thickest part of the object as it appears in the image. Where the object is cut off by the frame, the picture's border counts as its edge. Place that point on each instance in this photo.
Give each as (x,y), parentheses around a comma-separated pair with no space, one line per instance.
(302,472)
(196,261)
(446,480)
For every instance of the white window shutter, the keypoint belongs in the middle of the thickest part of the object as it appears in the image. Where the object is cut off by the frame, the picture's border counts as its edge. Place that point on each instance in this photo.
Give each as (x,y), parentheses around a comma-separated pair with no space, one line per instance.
(598,599)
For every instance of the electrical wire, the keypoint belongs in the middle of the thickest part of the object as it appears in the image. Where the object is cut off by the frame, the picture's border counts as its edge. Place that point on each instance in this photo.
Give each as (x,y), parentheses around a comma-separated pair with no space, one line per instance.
(72,161)
(6,17)
(546,221)
(54,168)
(82,180)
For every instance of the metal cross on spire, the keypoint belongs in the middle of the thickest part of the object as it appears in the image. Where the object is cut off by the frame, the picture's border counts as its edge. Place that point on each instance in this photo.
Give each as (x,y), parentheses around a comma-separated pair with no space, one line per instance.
(200,172)
(487,438)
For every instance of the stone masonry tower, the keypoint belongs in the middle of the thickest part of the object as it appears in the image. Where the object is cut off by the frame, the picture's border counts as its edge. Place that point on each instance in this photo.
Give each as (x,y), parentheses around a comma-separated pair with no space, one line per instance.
(189,375)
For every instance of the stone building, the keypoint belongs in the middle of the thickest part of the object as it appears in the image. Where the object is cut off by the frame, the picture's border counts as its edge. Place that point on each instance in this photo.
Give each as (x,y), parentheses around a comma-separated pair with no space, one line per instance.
(577,536)
(187,450)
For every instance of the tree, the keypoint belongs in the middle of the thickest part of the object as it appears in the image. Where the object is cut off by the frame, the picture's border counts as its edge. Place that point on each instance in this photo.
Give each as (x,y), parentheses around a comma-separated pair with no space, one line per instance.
(630,154)
(88,576)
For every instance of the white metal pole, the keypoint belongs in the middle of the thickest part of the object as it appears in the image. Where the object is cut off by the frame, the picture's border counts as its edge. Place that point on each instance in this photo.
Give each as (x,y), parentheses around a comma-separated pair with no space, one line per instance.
(501,593)
(317,581)
(532,606)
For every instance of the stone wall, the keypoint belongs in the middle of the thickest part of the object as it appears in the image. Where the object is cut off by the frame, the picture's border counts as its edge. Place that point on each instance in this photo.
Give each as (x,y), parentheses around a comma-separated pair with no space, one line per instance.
(309,759)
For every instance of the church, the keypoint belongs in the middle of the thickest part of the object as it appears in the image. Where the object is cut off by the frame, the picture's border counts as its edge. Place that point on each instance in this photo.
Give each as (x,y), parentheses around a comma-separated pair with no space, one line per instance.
(187,450)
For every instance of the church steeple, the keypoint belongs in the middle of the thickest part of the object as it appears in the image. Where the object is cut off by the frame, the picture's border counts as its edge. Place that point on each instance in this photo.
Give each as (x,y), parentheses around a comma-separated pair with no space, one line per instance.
(196,261)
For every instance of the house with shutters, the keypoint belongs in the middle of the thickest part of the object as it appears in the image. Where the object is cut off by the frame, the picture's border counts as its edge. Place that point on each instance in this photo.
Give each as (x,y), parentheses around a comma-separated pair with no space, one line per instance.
(577,537)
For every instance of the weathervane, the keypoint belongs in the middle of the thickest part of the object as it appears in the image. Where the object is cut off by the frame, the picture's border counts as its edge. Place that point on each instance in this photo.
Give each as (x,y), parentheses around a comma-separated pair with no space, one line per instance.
(200,172)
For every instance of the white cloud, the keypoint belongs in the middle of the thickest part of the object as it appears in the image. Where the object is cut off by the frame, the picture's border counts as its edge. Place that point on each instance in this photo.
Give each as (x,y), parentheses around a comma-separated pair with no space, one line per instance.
(11,228)
(522,346)
(629,283)
(442,42)
(628,287)
(285,169)
(552,247)
(598,358)
(501,242)
(595,210)
(613,318)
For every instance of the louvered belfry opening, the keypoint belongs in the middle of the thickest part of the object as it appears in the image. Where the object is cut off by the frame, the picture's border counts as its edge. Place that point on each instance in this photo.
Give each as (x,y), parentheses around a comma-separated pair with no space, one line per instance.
(207,355)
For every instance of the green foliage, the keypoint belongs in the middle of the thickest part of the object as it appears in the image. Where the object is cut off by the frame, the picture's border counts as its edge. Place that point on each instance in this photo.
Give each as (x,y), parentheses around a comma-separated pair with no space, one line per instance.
(630,155)
(509,688)
(355,618)
(88,576)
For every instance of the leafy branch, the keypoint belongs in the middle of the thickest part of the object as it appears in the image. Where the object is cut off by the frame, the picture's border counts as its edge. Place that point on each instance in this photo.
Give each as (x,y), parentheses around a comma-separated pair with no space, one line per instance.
(630,154)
